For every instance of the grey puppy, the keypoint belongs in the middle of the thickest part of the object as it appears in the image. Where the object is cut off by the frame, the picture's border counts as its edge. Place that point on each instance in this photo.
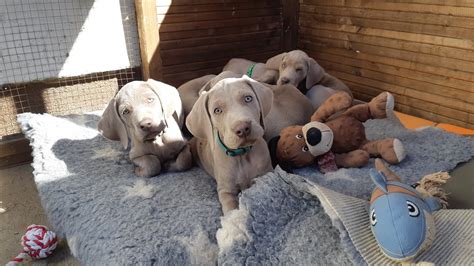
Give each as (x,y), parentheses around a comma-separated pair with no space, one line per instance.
(150,115)
(296,66)
(189,91)
(257,71)
(227,123)
(289,105)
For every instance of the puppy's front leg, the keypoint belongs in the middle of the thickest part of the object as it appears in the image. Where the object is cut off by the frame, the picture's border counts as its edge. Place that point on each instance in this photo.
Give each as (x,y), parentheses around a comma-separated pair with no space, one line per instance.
(183,161)
(228,200)
(147,166)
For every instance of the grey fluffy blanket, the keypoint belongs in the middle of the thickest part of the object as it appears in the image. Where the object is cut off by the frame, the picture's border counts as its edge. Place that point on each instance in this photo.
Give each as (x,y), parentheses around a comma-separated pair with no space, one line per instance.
(109,216)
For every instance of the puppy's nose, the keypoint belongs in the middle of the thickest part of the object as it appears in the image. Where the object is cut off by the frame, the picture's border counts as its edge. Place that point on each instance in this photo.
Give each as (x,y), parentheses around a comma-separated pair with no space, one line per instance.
(145,124)
(242,129)
(313,136)
(285,81)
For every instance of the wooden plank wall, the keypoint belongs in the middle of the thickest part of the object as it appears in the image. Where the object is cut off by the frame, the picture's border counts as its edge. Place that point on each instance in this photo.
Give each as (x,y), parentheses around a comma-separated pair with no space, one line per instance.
(198,37)
(422,51)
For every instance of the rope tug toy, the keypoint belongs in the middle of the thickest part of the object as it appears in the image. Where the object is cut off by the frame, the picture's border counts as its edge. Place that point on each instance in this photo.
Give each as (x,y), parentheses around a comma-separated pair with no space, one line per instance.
(38,243)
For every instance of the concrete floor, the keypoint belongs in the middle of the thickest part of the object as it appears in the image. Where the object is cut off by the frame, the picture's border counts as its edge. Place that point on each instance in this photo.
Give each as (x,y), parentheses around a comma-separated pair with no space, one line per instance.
(20,206)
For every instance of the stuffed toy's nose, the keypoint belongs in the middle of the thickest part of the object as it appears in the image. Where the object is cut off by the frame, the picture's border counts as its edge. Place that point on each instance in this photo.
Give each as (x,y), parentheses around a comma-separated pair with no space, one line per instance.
(313,136)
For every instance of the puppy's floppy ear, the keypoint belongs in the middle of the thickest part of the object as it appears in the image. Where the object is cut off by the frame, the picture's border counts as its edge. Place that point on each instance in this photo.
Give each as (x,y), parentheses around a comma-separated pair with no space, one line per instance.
(315,73)
(274,62)
(170,101)
(198,121)
(111,126)
(207,87)
(264,96)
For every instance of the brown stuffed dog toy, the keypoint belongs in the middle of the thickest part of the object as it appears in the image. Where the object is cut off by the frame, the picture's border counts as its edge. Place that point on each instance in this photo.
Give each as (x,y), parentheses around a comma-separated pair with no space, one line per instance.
(335,137)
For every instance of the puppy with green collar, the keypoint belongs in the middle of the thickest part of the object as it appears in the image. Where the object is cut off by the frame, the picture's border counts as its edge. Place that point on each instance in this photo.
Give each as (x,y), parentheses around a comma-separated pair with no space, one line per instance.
(227,123)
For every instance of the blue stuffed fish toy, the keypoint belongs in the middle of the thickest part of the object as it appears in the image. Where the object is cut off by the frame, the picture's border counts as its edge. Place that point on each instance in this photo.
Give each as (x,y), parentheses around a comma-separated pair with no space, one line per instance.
(400,216)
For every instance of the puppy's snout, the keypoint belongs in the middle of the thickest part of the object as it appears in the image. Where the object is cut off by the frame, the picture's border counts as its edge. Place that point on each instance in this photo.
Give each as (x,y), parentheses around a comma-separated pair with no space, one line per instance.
(242,129)
(285,80)
(313,136)
(146,124)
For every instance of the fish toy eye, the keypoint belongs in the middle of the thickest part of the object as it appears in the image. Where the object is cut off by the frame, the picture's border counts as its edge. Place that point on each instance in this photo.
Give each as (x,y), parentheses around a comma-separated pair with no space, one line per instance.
(373,218)
(412,209)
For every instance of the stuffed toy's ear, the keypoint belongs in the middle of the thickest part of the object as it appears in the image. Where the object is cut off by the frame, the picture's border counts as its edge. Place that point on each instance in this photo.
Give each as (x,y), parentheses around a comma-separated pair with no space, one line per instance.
(198,121)
(111,126)
(315,73)
(264,96)
(274,62)
(272,148)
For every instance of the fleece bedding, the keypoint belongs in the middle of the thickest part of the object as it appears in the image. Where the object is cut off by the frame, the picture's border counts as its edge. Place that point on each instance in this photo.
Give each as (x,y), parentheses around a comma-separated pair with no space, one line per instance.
(109,216)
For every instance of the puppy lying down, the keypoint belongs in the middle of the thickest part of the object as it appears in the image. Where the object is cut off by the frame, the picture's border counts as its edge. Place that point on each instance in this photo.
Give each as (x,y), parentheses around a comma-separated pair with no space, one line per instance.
(254,70)
(227,123)
(148,115)
(300,70)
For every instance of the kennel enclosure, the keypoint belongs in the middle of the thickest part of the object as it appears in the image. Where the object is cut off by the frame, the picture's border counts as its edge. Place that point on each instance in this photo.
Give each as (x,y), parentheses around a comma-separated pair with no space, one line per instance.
(64,57)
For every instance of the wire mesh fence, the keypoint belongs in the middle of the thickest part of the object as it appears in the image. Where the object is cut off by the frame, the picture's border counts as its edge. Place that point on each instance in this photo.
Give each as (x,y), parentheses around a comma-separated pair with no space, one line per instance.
(64,56)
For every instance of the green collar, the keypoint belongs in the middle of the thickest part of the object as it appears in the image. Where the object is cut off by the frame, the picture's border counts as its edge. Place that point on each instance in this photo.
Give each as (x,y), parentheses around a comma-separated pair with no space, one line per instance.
(250,70)
(231,152)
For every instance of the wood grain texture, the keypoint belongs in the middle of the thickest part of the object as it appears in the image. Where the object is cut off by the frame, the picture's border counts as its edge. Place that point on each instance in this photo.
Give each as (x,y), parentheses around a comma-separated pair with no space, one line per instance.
(198,37)
(420,50)
(149,39)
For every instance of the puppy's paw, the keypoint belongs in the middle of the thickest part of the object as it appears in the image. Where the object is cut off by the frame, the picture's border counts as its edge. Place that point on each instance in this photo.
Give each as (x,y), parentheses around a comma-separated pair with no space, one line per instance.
(144,172)
(141,172)
(147,166)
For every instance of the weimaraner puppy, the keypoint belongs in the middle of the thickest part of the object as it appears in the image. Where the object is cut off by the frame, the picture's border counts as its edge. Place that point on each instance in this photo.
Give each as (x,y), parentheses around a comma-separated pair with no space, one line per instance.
(228,126)
(189,91)
(289,106)
(300,70)
(150,115)
(254,70)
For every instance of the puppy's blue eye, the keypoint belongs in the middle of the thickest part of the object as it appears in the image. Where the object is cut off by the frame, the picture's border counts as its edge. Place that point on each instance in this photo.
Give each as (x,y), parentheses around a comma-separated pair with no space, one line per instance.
(248,99)
(217,110)
(305,149)
(299,136)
